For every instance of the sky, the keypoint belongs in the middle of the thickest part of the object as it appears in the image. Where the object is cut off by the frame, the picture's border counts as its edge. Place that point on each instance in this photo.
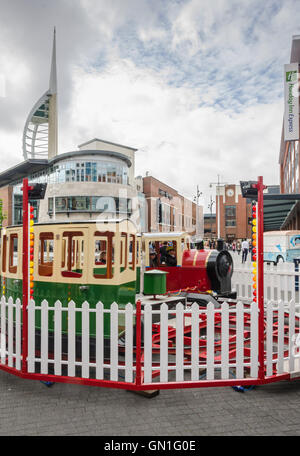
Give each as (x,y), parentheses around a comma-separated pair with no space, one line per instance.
(195,85)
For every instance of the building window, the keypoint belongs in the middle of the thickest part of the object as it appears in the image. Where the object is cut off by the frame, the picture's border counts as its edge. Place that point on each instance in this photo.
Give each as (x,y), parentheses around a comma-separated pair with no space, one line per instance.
(117,206)
(230,216)
(18,207)
(166,214)
(158,211)
(115,172)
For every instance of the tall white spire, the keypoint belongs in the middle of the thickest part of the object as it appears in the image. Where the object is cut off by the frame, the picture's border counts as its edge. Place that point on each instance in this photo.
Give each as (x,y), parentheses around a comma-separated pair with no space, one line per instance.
(53,74)
(41,130)
(53,127)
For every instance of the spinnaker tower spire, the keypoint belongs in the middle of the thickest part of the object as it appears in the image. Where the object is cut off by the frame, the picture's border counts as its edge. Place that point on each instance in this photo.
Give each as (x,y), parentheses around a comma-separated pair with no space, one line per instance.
(40,135)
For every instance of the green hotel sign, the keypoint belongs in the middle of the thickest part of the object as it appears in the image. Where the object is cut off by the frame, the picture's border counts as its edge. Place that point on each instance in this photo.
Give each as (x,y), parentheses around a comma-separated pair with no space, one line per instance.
(291,76)
(291,102)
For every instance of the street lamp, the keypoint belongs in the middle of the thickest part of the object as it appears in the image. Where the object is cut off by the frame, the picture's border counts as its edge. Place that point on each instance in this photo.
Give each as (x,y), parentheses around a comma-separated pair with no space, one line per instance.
(196,198)
(218,199)
(210,206)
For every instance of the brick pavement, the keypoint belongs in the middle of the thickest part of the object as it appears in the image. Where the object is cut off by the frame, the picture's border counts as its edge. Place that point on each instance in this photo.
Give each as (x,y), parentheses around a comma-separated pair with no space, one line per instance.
(30,408)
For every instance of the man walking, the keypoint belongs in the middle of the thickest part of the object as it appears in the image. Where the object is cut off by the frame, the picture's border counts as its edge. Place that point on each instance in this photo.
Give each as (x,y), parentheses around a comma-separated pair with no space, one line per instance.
(245,248)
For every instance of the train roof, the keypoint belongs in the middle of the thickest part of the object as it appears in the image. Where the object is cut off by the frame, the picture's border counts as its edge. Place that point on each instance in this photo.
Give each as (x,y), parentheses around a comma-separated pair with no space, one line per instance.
(172,234)
(282,233)
(76,223)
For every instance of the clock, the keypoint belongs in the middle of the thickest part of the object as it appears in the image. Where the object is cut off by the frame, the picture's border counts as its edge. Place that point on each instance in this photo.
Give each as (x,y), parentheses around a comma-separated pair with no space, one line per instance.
(230,192)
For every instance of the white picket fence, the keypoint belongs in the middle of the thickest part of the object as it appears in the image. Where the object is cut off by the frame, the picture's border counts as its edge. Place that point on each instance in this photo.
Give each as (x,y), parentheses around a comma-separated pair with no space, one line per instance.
(222,342)
(281,282)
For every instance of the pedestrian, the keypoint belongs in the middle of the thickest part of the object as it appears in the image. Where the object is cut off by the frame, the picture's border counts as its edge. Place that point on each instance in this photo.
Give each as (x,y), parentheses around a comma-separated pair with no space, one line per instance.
(163,252)
(171,257)
(153,260)
(245,248)
(238,247)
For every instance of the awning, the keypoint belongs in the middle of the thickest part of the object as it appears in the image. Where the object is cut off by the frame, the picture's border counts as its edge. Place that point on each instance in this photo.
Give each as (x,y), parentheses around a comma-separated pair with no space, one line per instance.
(22,170)
(277,210)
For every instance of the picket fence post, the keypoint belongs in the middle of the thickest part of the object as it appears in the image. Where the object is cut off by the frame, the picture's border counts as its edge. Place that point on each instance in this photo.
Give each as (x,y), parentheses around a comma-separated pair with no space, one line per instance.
(138,322)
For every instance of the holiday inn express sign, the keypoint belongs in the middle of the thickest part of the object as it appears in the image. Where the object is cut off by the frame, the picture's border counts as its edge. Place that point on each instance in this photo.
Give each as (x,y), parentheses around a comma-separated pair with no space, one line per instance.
(291,102)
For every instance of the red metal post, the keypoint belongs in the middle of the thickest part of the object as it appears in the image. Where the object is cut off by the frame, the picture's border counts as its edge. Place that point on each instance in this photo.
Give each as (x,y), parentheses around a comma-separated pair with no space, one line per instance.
(25,276)
(260,276)
(138,364)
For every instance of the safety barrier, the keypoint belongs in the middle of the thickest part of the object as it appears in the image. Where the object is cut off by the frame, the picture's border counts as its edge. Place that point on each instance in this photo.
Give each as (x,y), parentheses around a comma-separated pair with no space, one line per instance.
(185,347)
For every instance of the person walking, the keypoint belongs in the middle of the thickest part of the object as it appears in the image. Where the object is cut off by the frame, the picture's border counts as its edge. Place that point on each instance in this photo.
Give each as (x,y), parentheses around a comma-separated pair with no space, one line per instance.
(245,249)
(238,247)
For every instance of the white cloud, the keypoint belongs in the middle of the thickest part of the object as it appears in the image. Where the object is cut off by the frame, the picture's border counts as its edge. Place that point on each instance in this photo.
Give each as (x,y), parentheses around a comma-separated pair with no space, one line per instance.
(178,141)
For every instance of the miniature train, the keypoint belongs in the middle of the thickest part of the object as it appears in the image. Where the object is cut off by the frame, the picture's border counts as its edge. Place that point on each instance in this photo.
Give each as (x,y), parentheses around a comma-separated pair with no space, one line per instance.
(92,261)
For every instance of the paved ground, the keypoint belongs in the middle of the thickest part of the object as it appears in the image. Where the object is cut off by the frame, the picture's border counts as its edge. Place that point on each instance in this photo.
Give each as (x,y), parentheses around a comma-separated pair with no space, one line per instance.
(30,408)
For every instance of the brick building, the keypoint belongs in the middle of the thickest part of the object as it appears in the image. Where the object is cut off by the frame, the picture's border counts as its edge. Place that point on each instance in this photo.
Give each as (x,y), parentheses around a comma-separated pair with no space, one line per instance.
(232,218)
(170,211)
(210,227)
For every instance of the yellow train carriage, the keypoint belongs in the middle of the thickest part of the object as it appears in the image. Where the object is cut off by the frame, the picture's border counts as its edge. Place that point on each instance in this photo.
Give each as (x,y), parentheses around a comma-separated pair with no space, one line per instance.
(79,261)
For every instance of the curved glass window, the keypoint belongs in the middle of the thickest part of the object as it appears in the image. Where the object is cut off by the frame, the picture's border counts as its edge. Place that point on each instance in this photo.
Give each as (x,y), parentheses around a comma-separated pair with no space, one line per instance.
(80,171)
(89,171)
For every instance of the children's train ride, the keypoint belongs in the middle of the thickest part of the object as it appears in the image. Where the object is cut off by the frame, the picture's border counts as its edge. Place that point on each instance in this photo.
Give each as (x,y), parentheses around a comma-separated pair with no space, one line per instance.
(101,261)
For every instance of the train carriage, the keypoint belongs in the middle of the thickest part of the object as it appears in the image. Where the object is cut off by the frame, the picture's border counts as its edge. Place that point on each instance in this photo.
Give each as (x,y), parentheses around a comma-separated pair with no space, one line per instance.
(75,261)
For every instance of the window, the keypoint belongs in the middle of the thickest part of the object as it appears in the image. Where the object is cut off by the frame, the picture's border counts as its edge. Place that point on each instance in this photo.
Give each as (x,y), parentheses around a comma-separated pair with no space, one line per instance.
(166,211)
(13,253)
(230,216)
(137,252)
(100,204)
(124,251)
(132,251)
(46,254)
(104,255)
(72,253)
(4,249)
(158,211)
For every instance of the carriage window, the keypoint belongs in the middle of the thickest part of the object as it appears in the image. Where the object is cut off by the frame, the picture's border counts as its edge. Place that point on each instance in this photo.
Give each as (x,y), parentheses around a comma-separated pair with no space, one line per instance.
(13,253)
(132,252)
(63,253)
(72,254)
(104,255)
(46,253)
(137,252)
(124,251)
(4,247)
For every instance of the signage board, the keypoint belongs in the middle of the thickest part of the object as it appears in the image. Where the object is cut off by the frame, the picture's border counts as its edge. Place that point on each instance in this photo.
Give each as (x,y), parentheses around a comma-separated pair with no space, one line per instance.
(291,102)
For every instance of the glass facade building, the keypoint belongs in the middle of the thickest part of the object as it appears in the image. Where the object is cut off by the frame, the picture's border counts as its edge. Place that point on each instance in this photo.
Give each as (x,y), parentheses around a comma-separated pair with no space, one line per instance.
(81,169)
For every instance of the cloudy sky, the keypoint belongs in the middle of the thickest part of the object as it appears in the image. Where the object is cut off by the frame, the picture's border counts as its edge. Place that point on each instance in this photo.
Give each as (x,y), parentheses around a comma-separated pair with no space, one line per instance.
(195,85)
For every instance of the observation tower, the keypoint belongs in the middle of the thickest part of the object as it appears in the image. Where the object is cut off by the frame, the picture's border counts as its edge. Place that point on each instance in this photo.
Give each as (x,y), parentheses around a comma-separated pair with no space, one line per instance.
(40,131)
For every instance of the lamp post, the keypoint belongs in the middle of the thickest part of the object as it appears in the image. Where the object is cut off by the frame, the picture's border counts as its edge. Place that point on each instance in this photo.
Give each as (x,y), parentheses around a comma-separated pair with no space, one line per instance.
(196,198)
(210,206)
(218,199)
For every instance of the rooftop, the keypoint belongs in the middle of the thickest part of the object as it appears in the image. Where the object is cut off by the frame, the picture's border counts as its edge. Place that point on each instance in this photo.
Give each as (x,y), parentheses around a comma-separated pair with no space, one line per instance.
(106,142)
